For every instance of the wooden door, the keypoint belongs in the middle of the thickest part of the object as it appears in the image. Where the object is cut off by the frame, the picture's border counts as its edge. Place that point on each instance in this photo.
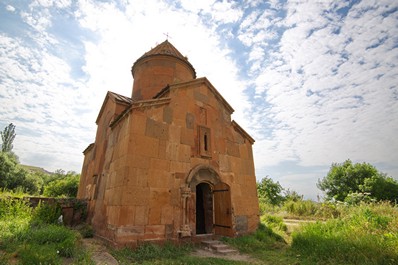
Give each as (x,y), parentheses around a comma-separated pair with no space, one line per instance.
(222,210)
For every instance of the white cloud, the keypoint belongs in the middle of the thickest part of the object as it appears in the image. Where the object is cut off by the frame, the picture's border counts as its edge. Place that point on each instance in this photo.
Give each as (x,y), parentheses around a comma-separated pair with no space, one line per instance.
(119,50)
(331,99)
(10,8)
(322,84)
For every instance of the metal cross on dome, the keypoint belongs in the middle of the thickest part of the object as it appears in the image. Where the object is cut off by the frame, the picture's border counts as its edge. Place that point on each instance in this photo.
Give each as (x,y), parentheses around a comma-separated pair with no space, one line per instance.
(167,35)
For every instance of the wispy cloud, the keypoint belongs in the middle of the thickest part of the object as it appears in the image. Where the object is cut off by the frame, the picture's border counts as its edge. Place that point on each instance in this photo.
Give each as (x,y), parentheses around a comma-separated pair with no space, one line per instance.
(314,82)
(330,88)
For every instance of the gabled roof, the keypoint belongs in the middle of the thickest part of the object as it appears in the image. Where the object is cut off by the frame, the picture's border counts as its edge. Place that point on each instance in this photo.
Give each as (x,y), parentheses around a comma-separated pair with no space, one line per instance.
(242,132)
(203,80)
(165,48)
(115,97)
(89,147)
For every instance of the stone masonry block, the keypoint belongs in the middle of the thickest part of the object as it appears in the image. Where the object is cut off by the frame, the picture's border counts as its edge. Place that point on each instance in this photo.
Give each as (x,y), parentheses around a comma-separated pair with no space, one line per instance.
(189,121)
(201,97)
(139,161)
(133,195)
(155,213)
(167,115)
(162,152)
(158,178)
(144,145)
(132,178)
(176,166)
(241,223)
(184,153)
(159,197)
(157,129)
(174,134)
(127,214)
(161,164)
(172,151)
(167,215)
(141,215)
(138,122)
(187,137)
(113,214)
(154,230)
(233,149)
(116,196)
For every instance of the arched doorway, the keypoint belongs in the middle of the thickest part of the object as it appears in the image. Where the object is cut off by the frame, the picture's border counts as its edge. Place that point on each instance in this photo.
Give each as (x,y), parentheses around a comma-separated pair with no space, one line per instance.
(204,209)
(206,202)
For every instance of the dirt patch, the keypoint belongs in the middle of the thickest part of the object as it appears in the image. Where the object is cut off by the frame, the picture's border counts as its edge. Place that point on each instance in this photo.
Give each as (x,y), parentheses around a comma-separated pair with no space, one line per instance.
(203,253)
(99,252)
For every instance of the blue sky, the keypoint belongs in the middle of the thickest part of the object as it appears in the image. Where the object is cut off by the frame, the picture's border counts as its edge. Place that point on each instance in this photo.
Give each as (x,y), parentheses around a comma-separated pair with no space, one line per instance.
(314,82)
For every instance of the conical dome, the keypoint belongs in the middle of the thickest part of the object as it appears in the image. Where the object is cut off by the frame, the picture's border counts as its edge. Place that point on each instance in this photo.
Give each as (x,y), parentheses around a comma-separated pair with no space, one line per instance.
(161,66)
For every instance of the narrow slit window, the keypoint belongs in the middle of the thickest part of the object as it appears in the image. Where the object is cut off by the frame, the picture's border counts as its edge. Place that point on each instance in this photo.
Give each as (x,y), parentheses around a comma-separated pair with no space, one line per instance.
(205,141)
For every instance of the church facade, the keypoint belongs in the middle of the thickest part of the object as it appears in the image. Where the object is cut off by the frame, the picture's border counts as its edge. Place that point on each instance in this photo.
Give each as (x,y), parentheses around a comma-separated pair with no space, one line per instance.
(168,163)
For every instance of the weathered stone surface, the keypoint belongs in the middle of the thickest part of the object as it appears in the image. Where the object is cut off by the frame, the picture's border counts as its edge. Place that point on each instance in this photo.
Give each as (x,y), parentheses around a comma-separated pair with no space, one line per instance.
(241,223)
(190,121)
(157,129)
(167,115)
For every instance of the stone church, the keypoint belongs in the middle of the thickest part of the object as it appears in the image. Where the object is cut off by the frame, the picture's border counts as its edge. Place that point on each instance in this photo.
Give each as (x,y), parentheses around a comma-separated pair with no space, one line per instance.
(168,163)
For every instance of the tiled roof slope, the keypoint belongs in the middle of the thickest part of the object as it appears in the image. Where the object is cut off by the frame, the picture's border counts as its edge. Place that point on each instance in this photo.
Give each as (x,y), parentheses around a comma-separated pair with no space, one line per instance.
(165,48)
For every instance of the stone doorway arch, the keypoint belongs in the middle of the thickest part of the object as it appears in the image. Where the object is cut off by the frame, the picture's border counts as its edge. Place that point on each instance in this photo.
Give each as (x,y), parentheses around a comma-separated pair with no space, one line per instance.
(206,203)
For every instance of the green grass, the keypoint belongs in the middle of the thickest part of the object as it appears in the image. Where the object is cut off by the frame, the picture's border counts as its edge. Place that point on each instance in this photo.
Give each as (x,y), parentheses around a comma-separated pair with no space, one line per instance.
(166,254)
(366,234)
(26,236)
(363,234)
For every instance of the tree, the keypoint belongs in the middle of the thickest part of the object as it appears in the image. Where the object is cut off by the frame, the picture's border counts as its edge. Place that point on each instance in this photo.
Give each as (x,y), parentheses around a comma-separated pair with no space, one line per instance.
(381,188)
(7,137)
(63,185)
(270,191)
(347,178)
(13,176)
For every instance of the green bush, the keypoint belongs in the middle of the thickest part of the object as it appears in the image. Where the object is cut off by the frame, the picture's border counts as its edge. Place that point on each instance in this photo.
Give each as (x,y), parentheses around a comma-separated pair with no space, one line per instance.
(85,230)
(328,210)
(65,186)
(301,208)
(14,219)
(46,213)
(38,254)
(12,208)
(274,222)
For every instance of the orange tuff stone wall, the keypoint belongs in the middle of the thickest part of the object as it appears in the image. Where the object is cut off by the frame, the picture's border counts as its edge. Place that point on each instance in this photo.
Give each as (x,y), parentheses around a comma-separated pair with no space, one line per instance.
(153,73)
(135,189)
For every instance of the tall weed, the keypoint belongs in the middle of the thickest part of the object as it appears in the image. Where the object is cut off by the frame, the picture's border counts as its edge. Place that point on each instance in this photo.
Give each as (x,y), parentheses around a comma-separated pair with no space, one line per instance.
(46,213)
(365,234)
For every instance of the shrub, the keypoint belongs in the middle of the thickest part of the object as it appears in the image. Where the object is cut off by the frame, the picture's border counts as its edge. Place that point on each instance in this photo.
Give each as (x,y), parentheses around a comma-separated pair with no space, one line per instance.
(12,208)
(85,230)
(46,213)
(38,254)
(301,208)
(66,186)
(274,222)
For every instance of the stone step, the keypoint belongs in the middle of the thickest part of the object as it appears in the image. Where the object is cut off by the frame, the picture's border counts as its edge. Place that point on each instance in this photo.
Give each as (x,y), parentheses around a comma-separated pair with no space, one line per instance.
(218,247)
(227,251)
(210,243)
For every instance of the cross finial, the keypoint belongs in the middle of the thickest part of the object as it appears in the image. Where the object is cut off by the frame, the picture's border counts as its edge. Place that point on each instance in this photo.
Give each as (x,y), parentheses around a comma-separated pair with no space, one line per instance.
(167,35)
